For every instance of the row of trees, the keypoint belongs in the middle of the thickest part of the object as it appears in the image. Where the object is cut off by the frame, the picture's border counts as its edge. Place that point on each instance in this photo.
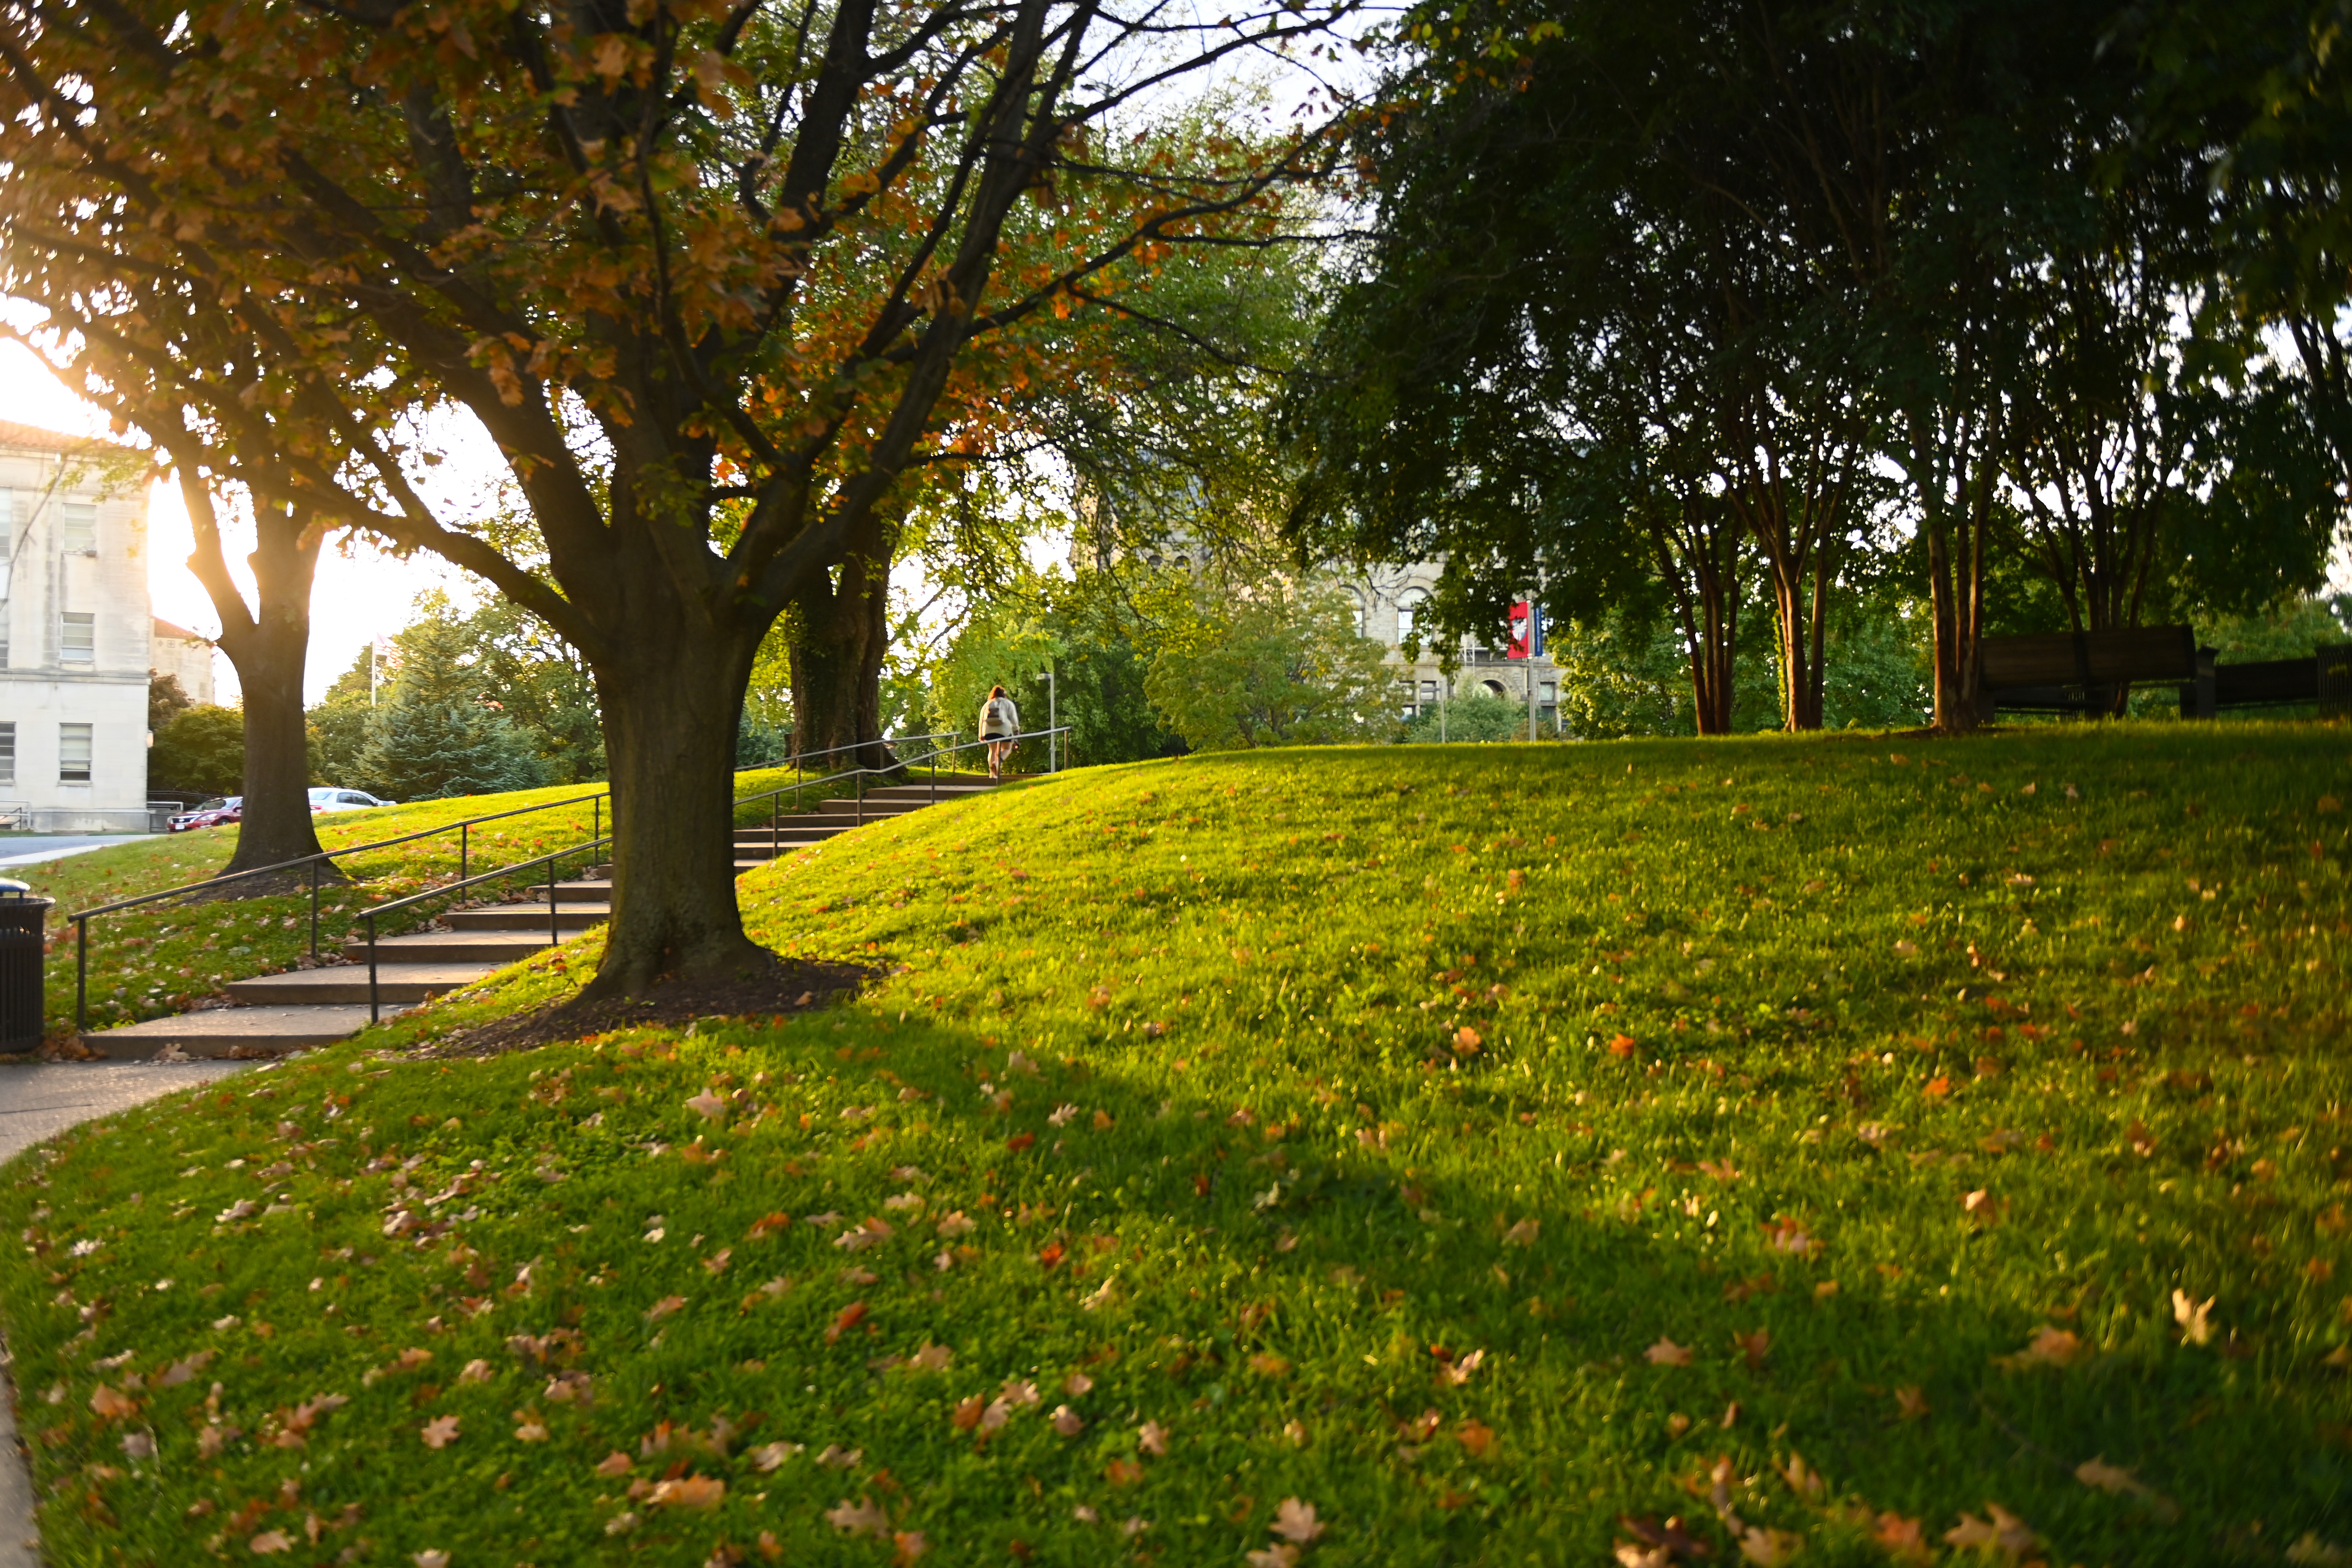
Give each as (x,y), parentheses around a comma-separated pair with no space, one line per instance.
(755,302)
(2036,309)
(721,282)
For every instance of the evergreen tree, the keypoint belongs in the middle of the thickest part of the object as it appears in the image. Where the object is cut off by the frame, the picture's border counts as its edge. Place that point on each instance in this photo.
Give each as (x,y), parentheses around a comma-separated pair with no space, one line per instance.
(434,734)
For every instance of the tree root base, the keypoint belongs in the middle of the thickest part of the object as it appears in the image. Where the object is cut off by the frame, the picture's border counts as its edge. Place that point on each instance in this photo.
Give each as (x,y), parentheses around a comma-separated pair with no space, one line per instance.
(787,987)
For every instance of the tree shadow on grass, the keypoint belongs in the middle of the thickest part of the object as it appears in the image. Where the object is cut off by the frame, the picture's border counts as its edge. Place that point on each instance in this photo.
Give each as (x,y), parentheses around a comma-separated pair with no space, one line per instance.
(754,1232)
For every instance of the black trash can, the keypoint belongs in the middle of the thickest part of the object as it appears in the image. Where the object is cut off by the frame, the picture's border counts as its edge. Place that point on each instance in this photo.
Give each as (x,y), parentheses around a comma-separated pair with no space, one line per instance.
(24,920)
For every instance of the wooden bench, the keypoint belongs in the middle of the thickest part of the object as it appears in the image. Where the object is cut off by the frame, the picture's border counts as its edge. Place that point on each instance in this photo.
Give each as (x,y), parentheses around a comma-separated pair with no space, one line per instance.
(2083,672)
(2325,679)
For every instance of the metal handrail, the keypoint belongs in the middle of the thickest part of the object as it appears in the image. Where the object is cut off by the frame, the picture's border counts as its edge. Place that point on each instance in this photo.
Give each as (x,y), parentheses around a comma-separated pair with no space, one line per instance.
(555,906)
(798,758)
(464,827)
(775,818)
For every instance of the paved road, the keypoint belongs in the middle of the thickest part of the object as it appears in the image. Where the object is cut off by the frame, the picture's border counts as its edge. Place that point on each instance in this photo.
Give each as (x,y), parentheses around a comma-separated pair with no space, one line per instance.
(33,849)
(36,1101)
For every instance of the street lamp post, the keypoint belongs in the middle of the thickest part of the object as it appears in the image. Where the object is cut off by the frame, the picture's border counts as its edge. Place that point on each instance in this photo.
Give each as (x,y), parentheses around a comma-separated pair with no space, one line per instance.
(1052,751)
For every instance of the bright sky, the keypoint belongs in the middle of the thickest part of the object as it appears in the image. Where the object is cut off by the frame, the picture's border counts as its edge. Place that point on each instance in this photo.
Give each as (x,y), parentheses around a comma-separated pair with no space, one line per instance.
(358,596)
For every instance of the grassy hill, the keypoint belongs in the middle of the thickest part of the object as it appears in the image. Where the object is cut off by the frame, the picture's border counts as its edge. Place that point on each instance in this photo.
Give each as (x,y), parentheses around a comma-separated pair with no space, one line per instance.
(1836,1150)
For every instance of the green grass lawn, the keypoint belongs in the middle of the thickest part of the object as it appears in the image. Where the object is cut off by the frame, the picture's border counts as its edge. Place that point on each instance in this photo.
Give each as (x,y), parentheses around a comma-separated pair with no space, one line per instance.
(1842,1149)
(153,961)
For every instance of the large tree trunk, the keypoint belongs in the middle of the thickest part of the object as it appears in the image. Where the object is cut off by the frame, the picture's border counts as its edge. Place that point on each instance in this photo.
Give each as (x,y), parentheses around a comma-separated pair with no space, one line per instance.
(269,644)
(671,706)
(839,634)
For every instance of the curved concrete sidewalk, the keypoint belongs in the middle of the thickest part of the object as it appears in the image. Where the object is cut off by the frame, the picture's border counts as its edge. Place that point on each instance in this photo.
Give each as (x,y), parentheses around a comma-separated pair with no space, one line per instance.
(38,1100)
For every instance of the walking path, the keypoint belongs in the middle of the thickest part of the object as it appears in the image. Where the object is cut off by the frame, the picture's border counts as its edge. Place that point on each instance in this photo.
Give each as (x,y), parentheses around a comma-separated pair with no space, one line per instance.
(39,1100)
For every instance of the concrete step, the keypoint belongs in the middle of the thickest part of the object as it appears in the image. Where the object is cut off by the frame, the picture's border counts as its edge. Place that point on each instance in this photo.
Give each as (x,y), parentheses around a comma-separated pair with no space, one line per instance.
(528,917)
(231,1031)
(341,982)
(492,947)
(873,809)
(922,792)
(798,837)
(583,891)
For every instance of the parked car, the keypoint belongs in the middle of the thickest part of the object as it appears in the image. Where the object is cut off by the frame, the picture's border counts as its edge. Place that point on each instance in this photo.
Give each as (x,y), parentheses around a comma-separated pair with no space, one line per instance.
(212,813)
(335,799)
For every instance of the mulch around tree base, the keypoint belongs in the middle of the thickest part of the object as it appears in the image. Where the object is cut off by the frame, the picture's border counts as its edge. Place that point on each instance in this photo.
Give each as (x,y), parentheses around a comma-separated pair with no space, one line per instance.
(790,985)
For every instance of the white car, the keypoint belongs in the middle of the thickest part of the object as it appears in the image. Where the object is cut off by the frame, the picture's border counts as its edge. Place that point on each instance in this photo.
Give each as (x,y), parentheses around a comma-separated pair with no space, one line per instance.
(323,800)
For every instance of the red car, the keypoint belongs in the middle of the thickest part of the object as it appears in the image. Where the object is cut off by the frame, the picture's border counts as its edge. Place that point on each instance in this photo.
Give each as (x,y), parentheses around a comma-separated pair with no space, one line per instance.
(211,814)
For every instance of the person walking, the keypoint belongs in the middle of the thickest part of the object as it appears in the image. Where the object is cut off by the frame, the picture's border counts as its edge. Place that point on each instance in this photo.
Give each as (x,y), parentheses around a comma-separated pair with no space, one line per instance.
(1000,721)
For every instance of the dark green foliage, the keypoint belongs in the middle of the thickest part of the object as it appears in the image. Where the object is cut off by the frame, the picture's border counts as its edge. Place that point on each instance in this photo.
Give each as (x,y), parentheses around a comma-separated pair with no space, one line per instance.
(1480,716)
(202,749)
(435,732)
(165,702)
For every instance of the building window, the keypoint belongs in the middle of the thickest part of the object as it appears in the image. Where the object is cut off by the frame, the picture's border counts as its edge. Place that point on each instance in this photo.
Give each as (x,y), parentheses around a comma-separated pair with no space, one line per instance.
(73,753)
(5,618)
(1552,691)
(1407,608)
(12,518)
(1429,691)
(80,525)
(77,644)
(7,754)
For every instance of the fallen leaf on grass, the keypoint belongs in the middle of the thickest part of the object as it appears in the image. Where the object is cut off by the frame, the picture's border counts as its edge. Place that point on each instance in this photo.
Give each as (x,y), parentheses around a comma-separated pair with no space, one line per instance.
(269,1540)
(477,1371)
(771,1456)
(2005,1531)
(690,1492)
(1295,1520)
(1665,1352)
(2192,1316)
(530,1427)
(848,1317)
(182,1371)
(967,1413)
(1522,1234)
(1279,1555)
(768,1225)
(614,1464)
(139,1444)
(1903,1538)
(1455,1373)
(911,1545)
(429,1559)
(707,1105)
(1067,1422)
(2119,1482)
(1478,1439)
(110,1404)
(1755,1346)
(1266,1363)
(930,1358)
(664,1308)
(439,1432)
(859,1518)
(1153,1437)
(1910,1403)
(837,1457)
(1769,1548)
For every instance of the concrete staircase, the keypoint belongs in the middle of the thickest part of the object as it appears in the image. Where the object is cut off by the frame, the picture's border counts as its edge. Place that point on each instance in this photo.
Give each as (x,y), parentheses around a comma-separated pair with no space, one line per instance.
(301,1008)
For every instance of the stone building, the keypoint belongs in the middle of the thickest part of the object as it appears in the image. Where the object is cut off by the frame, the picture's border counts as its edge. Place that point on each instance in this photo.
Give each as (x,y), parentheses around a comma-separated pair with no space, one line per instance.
(1387,600)
(75,637)
(184,656)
